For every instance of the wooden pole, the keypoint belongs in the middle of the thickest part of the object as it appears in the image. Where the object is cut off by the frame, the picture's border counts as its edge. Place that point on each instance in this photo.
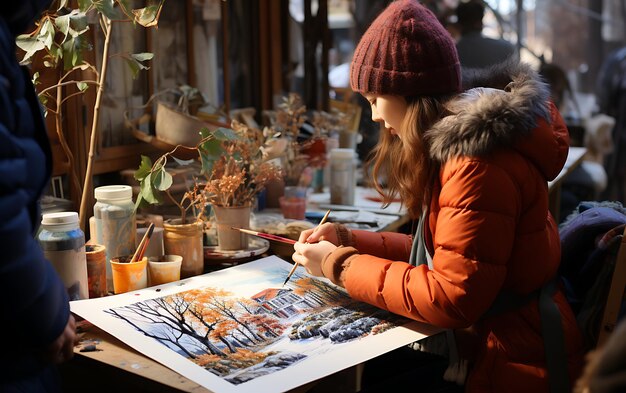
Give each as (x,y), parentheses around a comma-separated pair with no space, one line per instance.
(87,184)
(324,32)
(225,55)
(75,183)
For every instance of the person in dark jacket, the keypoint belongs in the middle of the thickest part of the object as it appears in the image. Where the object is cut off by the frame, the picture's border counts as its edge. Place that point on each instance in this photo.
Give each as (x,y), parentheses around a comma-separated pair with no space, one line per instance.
(38,330)
(611,94)
(476,50)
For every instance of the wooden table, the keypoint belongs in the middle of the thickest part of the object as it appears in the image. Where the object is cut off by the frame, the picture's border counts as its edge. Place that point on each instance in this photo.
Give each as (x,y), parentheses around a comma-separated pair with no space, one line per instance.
(116,367)
(574,159)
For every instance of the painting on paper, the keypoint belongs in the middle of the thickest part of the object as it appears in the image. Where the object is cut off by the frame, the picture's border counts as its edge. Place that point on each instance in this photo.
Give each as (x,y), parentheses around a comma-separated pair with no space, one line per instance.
(239,329)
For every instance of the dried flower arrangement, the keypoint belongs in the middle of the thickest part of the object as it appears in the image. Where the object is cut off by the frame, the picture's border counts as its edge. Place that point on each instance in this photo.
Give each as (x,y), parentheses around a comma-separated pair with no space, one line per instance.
(301,157)
(328,123)
(233,171)
(241,172)
(290,116)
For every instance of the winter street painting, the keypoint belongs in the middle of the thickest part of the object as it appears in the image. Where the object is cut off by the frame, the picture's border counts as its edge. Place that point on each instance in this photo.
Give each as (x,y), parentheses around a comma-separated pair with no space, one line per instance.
(240,330)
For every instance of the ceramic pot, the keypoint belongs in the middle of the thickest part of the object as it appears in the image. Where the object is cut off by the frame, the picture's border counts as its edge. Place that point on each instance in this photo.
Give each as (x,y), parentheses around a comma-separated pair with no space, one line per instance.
(186,241)
(163,269)
(177,128)
(227,217)
(128,276)
(96,270)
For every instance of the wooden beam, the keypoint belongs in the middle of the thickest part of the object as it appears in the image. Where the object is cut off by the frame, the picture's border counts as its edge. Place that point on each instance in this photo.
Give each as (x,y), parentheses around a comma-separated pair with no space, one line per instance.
(324,36)
(191,58)
(225,55)
(276,72)
(265,55)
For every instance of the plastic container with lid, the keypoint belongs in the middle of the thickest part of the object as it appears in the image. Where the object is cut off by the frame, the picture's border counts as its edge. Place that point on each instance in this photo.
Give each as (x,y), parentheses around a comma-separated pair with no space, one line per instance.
(342,176)
(114,214)
(63,244)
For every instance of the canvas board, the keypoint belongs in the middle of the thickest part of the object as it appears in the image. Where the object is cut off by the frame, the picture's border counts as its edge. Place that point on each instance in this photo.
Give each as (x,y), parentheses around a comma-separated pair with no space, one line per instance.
(239,330)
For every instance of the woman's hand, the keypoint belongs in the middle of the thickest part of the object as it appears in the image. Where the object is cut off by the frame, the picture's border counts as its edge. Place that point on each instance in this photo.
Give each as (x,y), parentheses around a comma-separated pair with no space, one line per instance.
(323,232)
(311,255)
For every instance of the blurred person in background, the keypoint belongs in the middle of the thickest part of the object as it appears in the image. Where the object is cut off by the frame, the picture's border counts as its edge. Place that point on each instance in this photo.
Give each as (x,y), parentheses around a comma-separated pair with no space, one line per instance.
(475,49)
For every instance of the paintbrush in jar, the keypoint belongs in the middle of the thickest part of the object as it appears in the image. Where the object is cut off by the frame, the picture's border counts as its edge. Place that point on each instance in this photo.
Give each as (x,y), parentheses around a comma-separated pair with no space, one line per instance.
(143,245)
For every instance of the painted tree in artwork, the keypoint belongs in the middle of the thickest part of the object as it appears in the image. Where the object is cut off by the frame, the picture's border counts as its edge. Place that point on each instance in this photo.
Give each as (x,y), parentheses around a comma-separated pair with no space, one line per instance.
(207,307)
(243,327)
(319,291)
(211,325)
(167,319)
(267,325)
(205,324)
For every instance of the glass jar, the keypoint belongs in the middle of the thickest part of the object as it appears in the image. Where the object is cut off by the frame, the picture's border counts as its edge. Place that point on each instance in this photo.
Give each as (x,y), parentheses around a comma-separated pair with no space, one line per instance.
(116,230)
(342,176)
(63,244)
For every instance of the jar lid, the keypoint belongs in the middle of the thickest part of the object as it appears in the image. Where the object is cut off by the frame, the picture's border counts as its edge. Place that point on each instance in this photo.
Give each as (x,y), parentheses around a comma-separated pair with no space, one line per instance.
(60,218)
(113,192)
(342,153)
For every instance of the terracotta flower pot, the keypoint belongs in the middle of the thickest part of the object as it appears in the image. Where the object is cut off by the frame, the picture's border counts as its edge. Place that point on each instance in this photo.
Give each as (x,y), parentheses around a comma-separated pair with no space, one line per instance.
(227,217)
(186,241)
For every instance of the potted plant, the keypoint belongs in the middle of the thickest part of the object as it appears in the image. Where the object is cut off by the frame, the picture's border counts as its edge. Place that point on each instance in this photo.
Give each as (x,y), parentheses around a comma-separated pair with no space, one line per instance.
(303,157)
(182,236)
(290,117)
(233,170)
(61,35)
(237,177)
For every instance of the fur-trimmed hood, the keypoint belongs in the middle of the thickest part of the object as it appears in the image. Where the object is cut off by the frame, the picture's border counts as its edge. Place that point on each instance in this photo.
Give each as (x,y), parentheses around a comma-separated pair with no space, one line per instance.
(499,106)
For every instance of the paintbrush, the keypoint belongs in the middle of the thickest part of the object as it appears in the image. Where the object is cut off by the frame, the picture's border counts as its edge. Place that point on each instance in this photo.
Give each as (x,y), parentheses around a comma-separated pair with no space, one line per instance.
(296,264)
(143,244)
(267,236)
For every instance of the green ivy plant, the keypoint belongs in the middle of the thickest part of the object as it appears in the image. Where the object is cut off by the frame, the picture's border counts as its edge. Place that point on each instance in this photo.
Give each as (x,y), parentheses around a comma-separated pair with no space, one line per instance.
(155,180)
(61,36)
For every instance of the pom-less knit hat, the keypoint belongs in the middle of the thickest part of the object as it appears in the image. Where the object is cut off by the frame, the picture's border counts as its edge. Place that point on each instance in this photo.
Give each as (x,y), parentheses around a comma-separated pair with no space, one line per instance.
(406,52)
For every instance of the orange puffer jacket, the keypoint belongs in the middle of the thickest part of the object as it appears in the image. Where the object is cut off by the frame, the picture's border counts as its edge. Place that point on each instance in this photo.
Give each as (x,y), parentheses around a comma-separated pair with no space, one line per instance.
(488,230)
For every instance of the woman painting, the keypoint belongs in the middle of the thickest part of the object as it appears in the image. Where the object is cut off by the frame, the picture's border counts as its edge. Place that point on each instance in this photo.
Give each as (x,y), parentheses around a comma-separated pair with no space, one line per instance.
(472,160)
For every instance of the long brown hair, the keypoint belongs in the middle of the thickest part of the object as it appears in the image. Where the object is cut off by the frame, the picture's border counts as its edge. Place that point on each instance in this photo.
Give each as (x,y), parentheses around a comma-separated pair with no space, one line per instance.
(405,164)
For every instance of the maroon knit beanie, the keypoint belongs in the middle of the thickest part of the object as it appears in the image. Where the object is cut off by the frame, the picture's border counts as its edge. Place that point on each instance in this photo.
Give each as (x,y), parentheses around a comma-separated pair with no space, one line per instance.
(406,52)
